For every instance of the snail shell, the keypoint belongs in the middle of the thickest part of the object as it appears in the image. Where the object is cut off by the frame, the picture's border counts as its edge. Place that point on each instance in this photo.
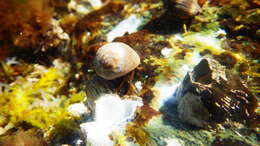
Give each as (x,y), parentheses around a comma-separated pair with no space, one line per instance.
(114,60)
(186,8)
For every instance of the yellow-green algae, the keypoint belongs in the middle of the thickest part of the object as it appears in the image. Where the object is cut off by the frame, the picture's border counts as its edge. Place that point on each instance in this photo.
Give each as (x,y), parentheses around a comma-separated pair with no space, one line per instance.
(37,100)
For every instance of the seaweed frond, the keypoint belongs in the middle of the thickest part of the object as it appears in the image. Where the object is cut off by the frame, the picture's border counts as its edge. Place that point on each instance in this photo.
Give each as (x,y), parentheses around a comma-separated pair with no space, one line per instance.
(23,22)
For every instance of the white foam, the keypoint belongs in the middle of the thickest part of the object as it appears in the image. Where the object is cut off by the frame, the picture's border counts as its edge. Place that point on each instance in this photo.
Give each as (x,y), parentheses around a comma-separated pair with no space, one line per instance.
(111,113)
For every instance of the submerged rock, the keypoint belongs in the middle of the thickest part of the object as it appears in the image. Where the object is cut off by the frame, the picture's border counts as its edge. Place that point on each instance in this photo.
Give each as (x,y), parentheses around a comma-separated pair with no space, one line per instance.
(210,94)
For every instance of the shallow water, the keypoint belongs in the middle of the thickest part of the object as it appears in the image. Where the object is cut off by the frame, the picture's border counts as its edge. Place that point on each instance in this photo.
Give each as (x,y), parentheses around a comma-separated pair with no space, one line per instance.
(47,49)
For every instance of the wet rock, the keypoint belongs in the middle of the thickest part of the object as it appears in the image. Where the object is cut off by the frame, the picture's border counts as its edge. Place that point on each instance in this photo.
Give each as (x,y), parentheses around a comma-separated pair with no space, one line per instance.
(211,94)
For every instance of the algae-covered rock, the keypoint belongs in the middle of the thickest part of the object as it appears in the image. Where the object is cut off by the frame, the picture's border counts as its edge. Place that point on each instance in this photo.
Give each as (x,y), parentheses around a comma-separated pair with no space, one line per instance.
(210,94)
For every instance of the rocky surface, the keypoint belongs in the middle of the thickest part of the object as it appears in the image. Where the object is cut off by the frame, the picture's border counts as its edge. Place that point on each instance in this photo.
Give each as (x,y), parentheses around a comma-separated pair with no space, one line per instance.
(210,94)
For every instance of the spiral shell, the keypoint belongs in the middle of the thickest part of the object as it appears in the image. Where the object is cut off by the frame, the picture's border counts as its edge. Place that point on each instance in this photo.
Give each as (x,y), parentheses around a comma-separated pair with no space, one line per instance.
(114,60)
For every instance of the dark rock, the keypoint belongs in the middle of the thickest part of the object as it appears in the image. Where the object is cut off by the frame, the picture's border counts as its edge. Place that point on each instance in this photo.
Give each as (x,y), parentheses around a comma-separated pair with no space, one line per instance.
(95,87)
(210,94)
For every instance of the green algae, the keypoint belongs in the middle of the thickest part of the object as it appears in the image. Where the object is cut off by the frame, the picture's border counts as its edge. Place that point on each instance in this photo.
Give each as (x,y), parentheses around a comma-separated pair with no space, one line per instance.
(160,131)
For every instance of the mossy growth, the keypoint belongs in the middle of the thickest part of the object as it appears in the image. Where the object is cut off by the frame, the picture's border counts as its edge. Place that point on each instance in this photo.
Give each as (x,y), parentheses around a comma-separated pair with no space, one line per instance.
(207,20)
(160,129)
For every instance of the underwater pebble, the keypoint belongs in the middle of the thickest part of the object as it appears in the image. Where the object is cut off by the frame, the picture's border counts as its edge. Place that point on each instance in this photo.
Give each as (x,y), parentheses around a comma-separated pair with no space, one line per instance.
(114,60)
